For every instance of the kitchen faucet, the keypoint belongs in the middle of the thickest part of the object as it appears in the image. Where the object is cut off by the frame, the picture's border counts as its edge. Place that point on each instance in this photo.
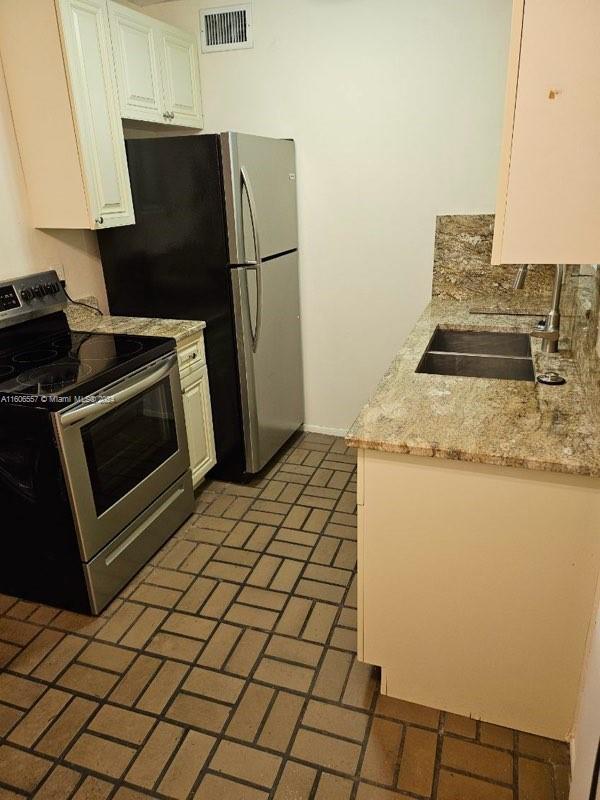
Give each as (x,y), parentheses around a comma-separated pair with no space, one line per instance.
(548,332)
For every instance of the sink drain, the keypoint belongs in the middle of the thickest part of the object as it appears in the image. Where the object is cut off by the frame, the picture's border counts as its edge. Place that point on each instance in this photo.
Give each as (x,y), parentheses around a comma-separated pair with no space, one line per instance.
(551,379)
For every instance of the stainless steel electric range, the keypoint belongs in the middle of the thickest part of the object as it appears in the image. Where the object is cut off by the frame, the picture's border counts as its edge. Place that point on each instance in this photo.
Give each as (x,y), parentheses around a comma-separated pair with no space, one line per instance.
(94,465)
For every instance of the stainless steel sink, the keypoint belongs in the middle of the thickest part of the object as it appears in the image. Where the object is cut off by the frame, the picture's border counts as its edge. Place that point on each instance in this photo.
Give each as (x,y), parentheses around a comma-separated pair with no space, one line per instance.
(479,354)
(487,343)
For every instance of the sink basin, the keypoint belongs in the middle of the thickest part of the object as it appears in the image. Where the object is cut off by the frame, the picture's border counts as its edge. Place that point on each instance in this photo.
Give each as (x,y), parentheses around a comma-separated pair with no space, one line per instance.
(489,343)
(468,366)
(479,354)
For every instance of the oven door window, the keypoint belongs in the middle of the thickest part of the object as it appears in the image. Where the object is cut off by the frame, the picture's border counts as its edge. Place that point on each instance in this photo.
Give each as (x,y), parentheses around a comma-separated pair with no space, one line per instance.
(125,445)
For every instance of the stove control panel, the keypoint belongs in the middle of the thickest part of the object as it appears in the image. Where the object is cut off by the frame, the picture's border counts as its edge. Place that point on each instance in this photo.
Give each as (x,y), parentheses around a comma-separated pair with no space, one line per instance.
(8,298)
(40,290)
(30,296)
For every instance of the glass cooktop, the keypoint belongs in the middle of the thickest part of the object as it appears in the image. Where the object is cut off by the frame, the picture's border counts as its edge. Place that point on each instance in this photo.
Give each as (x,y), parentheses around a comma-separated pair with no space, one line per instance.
(71,365)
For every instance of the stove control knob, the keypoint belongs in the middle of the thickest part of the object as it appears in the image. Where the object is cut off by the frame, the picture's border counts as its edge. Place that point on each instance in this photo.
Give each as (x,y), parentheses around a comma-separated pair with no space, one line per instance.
(27,295)
(37,291)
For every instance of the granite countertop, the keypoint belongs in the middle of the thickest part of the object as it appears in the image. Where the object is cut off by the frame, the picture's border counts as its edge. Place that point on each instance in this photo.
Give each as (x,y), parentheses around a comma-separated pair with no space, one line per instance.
(508,423)
(85,319)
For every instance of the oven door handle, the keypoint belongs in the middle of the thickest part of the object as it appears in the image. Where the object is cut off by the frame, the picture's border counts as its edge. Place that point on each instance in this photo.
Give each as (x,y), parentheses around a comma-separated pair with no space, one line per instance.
(143,380)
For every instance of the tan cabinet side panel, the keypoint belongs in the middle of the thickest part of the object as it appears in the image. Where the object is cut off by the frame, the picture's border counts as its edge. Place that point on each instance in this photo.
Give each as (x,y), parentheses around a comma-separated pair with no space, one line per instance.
(360,547)
(585,740)
(553,197)
(478,602)
(31,54)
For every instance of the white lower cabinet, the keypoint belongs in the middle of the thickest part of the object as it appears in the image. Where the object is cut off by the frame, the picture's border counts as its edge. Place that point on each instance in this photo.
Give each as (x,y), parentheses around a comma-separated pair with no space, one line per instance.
(197,409)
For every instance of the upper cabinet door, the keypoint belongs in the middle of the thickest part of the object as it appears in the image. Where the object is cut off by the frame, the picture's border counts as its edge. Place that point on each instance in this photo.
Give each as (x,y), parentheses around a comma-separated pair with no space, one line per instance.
(135,49)
(549,195)
(181,77)
(85,31)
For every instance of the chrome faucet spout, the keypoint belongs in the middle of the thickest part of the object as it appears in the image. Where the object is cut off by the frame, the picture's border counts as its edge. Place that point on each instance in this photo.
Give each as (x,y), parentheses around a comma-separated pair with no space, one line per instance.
(550,332)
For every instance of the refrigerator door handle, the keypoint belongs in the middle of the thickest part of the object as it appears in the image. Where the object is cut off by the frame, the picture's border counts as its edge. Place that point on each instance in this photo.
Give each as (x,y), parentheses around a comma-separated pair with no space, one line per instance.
(255,265)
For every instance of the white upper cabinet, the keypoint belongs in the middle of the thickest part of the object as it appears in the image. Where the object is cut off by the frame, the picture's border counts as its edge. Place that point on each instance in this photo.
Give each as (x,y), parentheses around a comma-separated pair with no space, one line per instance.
(58,64)
(84,25)
(181,78)
(157,69)
(74,69)
(137,65)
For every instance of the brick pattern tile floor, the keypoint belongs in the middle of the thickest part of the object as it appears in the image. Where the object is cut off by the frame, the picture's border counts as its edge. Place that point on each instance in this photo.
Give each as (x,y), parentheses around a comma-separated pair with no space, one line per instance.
(227,671)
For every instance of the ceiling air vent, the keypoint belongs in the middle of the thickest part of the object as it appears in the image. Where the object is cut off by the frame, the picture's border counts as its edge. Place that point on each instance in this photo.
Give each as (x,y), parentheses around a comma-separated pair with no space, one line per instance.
(226,28)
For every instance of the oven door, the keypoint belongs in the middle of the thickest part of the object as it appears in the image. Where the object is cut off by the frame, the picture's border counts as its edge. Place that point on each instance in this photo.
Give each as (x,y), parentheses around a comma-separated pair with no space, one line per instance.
(121,449)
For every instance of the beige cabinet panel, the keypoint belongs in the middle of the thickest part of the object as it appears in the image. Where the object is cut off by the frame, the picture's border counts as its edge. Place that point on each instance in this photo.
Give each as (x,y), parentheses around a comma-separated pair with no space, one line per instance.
(467,603)
(549,196)
(137,65)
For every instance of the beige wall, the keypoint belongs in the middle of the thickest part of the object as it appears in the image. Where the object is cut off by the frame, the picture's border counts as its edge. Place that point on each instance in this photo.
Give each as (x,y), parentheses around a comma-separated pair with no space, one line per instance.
(24,250)
(396,108)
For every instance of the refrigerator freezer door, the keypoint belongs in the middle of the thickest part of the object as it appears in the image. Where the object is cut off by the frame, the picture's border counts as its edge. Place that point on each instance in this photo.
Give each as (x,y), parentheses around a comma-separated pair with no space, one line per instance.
(266,169)
(173,263)
(271,366)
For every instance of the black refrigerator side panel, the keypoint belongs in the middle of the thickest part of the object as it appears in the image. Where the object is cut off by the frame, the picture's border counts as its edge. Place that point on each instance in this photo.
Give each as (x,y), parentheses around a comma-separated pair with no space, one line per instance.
(173,263)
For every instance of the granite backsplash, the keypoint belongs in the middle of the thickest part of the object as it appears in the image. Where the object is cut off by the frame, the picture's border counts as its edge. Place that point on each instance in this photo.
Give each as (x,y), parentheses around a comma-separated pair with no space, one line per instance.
(582,300)
(462,268)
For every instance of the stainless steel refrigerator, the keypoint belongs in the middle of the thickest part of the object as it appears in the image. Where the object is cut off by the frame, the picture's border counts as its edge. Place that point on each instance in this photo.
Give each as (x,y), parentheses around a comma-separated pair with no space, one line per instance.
(216,239)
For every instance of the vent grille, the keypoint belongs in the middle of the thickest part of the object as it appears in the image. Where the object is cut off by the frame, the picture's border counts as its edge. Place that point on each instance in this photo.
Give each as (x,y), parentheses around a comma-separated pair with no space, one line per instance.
(226,28)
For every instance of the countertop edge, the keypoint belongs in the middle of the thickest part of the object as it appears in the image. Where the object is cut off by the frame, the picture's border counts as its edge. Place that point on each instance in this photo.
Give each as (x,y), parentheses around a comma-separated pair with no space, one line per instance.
(179,330)
(471,458)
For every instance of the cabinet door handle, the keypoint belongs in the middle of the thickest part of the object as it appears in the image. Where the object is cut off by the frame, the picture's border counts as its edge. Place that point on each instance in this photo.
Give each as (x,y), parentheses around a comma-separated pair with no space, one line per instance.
(99,220)
(166,115)
(171,115)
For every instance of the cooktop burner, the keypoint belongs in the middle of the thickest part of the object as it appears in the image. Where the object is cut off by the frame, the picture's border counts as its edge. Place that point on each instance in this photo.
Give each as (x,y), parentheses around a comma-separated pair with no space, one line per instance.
(54,377)
(40,356)
(100,347)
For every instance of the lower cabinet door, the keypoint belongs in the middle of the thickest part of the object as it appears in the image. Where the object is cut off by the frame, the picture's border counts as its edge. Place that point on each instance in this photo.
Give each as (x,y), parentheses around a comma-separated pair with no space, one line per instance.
(198,420)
